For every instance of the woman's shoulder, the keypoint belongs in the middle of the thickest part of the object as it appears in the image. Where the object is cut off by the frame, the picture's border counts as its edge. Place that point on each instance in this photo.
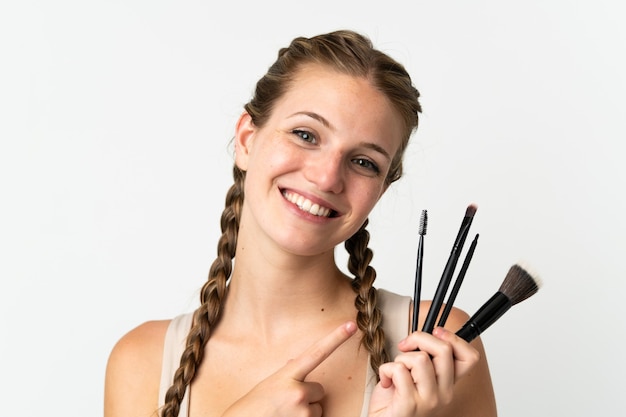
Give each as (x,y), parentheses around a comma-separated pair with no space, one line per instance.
(133,371)
(456,318)
(143,341)
(401,306)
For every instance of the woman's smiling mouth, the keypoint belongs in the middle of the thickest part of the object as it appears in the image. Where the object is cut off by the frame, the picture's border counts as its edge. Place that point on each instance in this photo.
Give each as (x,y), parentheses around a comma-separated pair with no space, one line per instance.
(307,205)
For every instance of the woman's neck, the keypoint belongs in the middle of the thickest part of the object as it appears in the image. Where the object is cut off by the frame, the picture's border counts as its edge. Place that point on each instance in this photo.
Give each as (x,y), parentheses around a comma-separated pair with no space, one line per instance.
(276,291)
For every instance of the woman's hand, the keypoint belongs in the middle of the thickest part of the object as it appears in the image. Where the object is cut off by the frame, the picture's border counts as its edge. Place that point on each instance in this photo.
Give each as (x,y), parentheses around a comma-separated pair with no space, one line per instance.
(285,393)
(418,383)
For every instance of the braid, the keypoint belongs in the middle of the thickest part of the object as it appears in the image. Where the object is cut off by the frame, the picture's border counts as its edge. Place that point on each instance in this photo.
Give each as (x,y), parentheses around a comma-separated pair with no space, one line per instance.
(211,298)
(369,317)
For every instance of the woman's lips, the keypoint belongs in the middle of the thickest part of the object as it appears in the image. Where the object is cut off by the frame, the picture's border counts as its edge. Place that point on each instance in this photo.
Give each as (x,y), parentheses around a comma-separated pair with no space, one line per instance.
(307,205)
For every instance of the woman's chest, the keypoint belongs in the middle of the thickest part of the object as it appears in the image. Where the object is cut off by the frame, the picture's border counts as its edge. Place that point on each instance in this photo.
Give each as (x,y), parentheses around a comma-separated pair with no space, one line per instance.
(261,383)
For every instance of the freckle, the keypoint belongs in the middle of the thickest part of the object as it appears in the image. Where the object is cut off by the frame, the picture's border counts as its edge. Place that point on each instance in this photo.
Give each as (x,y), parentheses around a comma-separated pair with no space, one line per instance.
(349,378)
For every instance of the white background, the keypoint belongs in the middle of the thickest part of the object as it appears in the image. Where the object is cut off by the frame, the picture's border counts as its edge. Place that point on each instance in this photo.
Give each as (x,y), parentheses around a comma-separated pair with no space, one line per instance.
(115,122)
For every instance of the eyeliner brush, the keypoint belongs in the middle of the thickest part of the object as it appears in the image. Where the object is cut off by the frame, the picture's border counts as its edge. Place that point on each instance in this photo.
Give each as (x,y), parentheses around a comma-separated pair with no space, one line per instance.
(418,270)
(446,277)
(457,283)
(517,286)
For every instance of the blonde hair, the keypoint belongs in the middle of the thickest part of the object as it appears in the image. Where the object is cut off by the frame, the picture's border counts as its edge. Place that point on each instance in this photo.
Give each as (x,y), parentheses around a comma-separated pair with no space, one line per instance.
(350,53)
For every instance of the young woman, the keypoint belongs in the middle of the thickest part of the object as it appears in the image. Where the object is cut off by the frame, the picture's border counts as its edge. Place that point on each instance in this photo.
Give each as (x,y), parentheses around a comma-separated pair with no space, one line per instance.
(281,331)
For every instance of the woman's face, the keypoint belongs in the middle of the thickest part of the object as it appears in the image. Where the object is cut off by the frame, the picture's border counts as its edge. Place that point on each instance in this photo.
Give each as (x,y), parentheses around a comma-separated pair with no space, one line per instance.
(318,166)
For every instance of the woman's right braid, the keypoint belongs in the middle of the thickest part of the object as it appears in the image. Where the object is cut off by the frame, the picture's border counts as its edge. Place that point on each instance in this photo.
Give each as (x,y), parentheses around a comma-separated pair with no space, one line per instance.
(212,296)
(369,316)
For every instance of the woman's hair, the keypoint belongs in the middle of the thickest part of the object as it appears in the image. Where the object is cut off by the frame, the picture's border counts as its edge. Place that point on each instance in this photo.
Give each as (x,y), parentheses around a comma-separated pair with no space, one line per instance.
(349,53)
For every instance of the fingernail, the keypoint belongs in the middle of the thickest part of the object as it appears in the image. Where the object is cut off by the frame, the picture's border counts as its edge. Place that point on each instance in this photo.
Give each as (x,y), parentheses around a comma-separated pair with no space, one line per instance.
(439,331)
(350,327)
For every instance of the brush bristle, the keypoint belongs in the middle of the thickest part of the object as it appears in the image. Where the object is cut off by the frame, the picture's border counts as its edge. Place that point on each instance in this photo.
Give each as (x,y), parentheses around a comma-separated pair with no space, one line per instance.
(423,222)
(471,210)
(519,284)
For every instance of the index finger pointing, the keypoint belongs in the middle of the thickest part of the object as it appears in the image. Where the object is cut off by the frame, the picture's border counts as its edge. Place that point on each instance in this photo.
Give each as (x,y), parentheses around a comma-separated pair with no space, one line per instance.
(301,366)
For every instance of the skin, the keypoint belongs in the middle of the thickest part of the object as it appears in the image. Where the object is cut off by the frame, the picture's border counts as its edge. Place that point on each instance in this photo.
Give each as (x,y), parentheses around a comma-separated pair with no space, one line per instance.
(330,139)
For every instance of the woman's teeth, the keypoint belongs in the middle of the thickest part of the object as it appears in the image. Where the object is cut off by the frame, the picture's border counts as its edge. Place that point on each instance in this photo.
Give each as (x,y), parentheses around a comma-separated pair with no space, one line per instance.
(307,205)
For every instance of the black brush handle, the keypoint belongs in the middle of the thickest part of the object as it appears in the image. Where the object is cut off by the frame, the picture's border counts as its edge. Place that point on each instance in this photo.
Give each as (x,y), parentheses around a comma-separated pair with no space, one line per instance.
(446,277)
(486,315)
(418,284)
(457,284)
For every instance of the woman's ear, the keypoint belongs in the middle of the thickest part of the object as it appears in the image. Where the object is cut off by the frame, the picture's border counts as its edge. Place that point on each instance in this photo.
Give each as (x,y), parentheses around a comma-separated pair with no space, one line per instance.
(244,134)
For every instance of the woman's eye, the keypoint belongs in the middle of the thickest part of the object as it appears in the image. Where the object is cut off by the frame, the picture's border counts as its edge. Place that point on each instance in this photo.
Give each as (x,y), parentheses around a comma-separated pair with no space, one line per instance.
(366,164)
(304,135)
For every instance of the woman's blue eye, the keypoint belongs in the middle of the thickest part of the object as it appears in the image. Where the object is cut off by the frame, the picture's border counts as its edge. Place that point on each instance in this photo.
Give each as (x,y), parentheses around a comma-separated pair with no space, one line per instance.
(304,135)
(367,164)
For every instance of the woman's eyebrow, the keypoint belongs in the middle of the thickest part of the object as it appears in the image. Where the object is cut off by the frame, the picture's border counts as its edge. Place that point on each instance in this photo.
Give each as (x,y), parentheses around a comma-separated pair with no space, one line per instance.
(376,148)
(315,116)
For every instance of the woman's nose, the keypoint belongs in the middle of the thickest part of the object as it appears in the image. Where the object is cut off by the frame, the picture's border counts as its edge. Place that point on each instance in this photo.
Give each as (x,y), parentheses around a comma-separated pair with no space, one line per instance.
(326,171)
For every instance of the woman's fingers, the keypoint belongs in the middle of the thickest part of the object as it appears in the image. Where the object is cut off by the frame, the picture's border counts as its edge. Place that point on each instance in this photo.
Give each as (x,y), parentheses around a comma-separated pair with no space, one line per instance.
(465,355)
(310,393)
(398,396)
(304,364)
(286,393)
(422,377)
(425,378)
(394,373)
(435,362)
(443,344)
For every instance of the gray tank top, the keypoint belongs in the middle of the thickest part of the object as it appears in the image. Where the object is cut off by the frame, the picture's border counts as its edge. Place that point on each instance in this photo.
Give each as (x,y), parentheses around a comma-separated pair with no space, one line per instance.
(395,311)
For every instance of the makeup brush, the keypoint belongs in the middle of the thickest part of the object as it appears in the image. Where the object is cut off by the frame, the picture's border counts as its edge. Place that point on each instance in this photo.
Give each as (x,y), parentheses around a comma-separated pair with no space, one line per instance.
(418,270)
(517,286)
(448,271)
(457,283)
